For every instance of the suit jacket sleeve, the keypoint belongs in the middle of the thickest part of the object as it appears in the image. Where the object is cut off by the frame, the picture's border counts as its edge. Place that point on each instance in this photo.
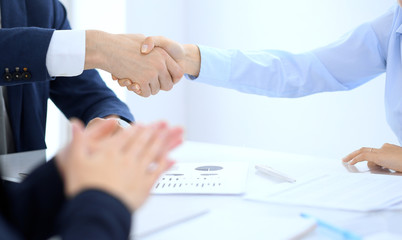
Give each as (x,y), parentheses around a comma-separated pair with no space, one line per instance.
(85,96)
(94,214)
(38,209)
(34,204)
(32,41)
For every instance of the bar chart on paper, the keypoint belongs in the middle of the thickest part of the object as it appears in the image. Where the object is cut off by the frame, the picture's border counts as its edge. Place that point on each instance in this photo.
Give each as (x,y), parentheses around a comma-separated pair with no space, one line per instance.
(203,178)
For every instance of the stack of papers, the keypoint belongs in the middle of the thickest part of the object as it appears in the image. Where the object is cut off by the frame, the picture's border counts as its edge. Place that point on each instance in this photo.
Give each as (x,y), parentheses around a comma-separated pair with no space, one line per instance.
(356,192)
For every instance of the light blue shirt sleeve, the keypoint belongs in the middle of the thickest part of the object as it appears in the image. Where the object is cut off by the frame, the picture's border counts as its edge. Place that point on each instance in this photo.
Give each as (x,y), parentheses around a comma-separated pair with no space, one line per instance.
(345,64)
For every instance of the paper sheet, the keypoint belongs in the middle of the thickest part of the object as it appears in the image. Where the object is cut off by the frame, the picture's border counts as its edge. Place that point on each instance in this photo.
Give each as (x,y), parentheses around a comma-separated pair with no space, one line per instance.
(151,219)
(224,223)
(203,178)
(353,191)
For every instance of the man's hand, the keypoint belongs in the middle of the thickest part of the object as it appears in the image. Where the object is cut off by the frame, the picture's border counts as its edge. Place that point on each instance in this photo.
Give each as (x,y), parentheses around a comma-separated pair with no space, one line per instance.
(120,55)
(388,156)
(125,164)
(187,56)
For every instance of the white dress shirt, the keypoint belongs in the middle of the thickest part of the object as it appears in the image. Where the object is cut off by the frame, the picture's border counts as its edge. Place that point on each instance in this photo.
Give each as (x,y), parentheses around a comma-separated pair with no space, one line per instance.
(66,54)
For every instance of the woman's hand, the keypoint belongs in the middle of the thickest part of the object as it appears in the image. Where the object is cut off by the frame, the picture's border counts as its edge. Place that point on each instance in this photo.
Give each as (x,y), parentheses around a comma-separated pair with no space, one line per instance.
(388,156)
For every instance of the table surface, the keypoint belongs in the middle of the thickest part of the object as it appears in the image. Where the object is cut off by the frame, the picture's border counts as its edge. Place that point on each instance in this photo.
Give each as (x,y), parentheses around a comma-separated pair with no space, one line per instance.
(160,210)
(161,207)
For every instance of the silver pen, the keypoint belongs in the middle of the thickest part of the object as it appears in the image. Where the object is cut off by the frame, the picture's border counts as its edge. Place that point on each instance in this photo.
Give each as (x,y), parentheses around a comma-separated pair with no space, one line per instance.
(274,173)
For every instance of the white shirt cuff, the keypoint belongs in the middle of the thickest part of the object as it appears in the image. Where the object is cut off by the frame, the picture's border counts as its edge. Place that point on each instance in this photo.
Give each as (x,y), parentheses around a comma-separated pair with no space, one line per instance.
(66,54)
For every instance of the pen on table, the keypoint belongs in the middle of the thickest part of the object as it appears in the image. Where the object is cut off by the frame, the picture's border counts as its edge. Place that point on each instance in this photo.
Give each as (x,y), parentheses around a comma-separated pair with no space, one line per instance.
(274,173)
(345,234)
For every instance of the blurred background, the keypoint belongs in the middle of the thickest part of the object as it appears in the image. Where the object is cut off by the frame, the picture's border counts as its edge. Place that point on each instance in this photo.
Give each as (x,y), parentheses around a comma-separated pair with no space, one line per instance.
(326,124)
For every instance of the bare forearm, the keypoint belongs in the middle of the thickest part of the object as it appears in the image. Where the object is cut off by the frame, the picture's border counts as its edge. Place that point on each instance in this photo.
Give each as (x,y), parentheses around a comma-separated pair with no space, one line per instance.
(192,59)
(95,50)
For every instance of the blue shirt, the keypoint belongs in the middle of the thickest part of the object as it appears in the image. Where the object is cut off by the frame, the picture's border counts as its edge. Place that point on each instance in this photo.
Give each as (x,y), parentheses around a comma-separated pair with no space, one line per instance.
(371,49)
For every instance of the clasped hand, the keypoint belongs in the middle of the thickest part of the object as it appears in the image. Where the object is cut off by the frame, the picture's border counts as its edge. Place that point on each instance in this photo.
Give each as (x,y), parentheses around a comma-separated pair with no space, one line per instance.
(119,54)
(186,59)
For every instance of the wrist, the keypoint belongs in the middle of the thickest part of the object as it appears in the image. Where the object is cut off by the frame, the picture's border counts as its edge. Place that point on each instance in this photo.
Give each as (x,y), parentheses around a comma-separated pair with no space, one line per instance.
(193,59)
(122,123)
(95,49)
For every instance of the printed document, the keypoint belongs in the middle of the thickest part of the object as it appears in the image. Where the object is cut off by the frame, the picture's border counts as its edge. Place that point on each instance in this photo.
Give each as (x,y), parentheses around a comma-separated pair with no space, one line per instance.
(353,191)
(225,222)
(203,178)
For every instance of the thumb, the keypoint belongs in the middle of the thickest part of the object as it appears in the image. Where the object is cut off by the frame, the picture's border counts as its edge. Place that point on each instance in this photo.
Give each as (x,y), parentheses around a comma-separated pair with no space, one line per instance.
(148,45)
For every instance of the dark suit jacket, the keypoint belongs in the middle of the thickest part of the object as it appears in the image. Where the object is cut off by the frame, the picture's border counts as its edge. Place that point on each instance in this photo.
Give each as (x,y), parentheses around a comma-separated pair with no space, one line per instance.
(38,209)
(27,28)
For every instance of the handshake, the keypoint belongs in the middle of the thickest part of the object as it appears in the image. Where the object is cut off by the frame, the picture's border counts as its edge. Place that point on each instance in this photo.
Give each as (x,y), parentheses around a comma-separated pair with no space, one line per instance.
(143,65)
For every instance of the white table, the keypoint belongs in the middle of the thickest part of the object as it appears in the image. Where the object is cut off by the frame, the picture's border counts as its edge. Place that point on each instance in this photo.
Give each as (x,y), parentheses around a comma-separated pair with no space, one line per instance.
(161,207)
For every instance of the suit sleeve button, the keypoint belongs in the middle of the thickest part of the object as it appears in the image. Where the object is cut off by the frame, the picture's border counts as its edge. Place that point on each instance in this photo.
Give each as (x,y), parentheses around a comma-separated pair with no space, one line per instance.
(7,75)
(26,74)
(17,74)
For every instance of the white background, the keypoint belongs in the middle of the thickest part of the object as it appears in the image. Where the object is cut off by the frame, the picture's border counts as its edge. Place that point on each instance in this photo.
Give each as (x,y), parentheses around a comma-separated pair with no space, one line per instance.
(326,124)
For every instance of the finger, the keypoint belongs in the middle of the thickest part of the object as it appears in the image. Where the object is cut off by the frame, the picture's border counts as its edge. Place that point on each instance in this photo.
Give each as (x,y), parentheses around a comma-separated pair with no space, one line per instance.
(148,45)
(364,156)
(123,138)
(174,69)
(175,138)
(135,87)
(155,86)
(355,153)
(164,165)
(161,167)
(140,142)
(102,128)
(160,152)
(145,90)
(373,166)
(124,82)
(165,142)
(154,147)
(165,79)
(166,83)
(170,163)
(158,41)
